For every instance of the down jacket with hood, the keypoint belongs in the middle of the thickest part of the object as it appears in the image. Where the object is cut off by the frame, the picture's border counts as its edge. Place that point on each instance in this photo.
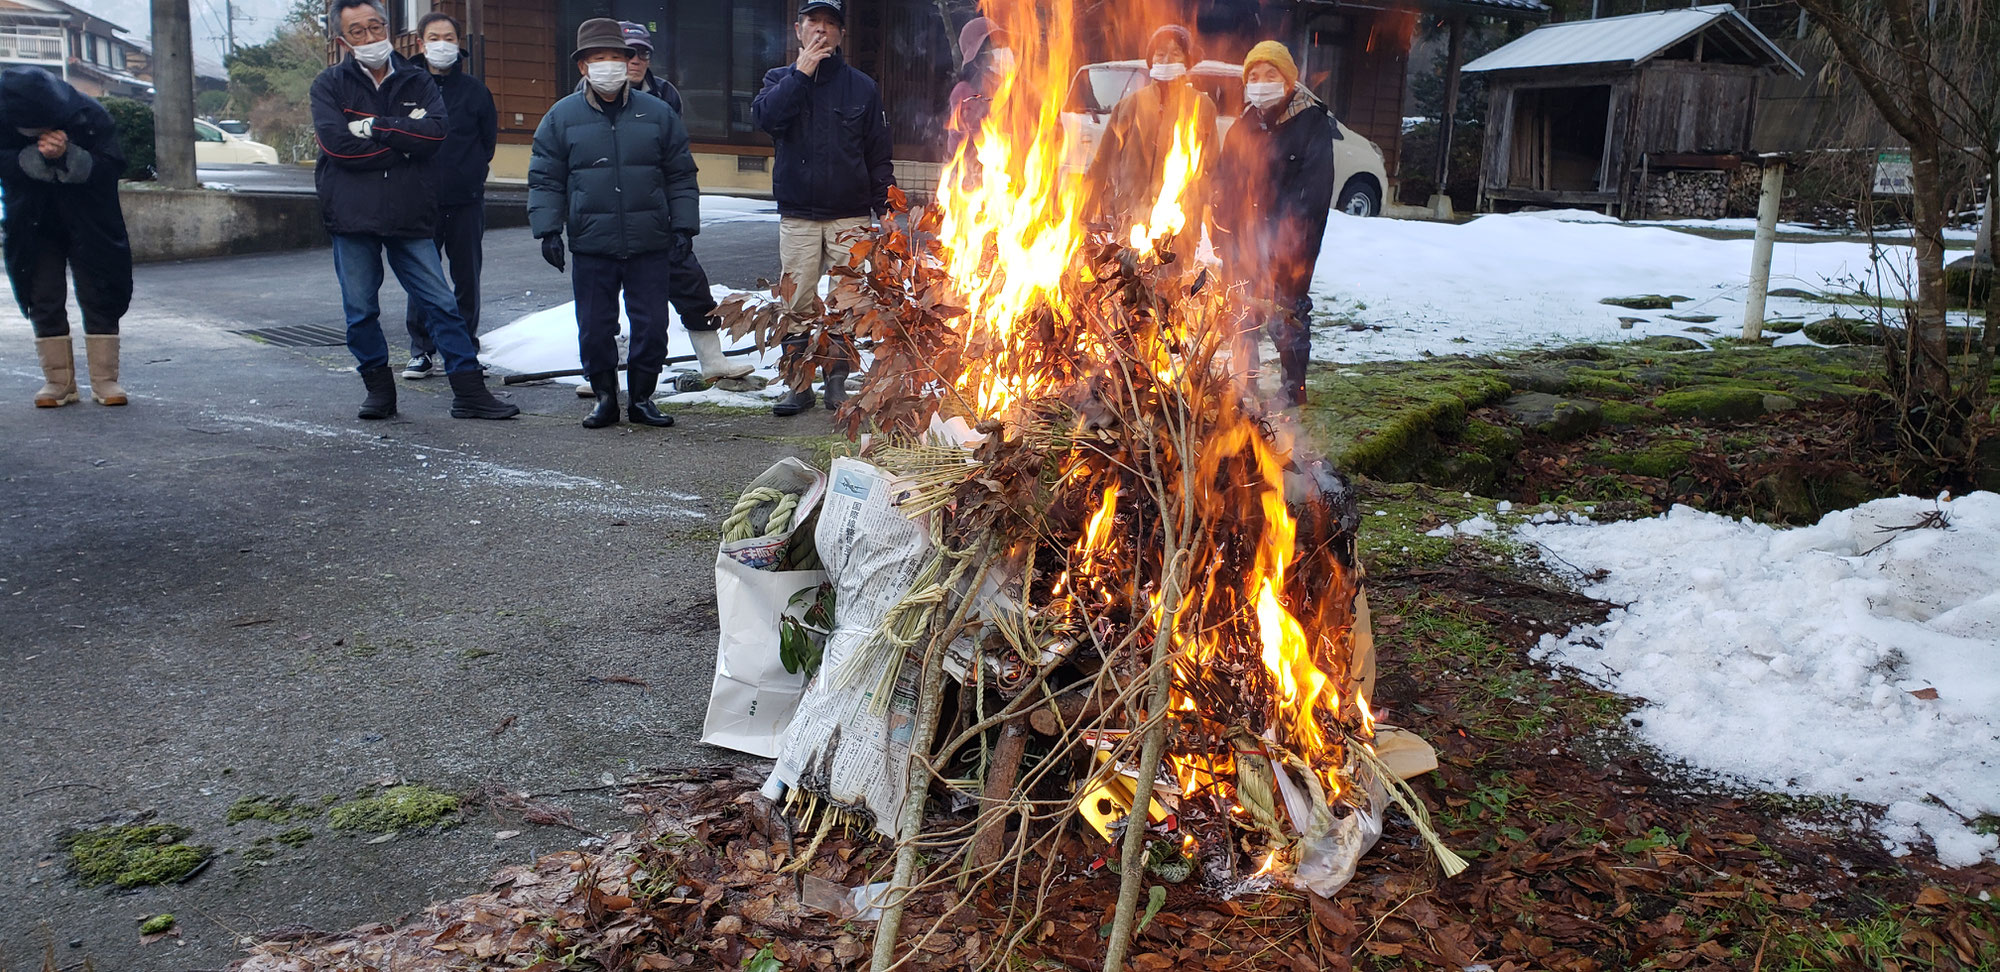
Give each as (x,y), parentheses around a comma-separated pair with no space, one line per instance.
(617,175)
(381,185)
(71,201)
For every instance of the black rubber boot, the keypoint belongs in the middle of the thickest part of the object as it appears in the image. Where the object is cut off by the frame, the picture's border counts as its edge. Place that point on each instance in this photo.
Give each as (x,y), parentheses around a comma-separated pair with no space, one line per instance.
(381,400)
(798,399)
(605,412)
(836,376)
(794,402)
(470,399)
(640,384)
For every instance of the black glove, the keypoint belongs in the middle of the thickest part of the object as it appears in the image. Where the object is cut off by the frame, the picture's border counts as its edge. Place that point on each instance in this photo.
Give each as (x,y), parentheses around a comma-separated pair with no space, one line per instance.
(683,245)
(552,250)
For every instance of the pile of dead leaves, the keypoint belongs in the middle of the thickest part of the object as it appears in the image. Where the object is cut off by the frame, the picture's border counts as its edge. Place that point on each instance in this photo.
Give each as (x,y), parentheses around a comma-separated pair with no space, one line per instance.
(1587,855)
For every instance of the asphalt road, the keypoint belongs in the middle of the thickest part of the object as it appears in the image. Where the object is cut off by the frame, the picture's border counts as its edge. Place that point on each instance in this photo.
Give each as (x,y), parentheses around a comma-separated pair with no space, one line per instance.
(232,587)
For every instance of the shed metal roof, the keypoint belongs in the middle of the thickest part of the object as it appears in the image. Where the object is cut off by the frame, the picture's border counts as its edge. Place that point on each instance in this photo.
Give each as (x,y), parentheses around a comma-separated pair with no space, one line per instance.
(1630,39)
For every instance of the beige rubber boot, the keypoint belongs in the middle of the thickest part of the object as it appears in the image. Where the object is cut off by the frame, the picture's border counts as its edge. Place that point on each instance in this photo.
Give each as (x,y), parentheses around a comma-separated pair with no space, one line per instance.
(102,352)
(58,371)
(714,366)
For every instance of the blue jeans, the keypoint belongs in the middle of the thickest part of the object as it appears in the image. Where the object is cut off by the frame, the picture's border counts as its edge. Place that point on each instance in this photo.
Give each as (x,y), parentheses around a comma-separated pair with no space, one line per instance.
(357,261)
(461,232)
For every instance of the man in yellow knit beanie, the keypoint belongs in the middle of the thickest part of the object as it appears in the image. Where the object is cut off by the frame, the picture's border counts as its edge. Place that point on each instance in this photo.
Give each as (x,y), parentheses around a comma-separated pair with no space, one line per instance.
(1278,159)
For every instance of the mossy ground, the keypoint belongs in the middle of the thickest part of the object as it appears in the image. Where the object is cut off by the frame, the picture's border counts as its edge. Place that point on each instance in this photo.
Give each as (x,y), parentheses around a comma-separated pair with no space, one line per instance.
(1436,422)
(135,855)
(406,807)
(268,809)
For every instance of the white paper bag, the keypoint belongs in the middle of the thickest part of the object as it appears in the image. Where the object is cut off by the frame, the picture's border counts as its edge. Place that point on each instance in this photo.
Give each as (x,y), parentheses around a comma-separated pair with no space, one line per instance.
(753,698)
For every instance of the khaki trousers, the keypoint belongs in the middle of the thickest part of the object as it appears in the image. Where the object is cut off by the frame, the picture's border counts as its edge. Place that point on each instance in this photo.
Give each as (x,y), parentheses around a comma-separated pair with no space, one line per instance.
(806,249)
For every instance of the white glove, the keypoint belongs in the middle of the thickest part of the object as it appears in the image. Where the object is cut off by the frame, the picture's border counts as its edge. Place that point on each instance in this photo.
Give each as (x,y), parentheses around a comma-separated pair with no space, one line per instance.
(418,114)
(361,128)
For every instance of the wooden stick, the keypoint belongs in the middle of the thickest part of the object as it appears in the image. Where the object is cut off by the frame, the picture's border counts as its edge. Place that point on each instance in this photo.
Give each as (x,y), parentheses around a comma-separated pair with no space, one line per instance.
(1005,769)
(929,699)
(1132,856)
(574,372)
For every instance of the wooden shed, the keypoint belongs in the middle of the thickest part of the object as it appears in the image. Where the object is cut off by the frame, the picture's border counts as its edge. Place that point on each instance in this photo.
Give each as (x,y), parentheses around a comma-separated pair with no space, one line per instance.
(1595,113)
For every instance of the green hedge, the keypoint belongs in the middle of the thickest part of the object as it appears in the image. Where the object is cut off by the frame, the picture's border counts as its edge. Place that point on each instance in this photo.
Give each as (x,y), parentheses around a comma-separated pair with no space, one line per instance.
(135,134)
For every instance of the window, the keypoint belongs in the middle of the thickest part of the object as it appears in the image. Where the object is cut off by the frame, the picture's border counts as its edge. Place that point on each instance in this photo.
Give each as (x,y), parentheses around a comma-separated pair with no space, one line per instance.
(716,54)
(407,13)
(25,43)
(205,132)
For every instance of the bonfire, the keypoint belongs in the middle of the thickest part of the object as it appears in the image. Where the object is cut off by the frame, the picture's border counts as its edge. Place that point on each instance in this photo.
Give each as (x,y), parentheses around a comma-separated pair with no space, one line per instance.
(1141,578)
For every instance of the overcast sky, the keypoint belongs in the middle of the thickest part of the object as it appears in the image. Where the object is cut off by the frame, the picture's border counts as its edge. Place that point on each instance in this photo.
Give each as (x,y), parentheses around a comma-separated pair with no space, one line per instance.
(255,20)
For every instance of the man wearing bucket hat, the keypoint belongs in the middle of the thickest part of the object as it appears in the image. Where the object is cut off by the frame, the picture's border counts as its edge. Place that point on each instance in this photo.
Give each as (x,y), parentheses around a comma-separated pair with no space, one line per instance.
(1278,161)
(611,166)
(689,291)
(832,176)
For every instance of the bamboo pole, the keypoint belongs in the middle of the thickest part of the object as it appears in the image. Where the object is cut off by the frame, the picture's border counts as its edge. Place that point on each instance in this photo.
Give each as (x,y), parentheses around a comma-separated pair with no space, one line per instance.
(1760,254)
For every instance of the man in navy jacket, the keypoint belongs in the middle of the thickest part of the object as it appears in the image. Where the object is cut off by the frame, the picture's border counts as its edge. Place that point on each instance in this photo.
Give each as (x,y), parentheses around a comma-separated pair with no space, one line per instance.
(831,178)
(379,120)
(458,171)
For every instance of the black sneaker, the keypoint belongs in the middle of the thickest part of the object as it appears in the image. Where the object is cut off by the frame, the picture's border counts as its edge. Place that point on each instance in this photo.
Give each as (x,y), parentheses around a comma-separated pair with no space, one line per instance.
(422,366)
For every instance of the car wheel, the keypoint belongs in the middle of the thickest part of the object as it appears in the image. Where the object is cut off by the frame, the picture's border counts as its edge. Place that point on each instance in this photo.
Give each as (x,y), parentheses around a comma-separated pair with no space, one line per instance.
(1360,198)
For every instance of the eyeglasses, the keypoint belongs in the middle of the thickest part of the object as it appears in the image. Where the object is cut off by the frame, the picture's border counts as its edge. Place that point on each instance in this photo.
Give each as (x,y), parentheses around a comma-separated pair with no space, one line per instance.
(641,54)
(372,30)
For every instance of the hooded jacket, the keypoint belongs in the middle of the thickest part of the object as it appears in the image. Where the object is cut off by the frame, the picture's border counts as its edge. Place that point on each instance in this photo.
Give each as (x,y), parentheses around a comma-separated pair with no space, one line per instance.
(380,185)
(1279,165)
(71,201)
(831,139)
(459,168)
(617,175)
(1125,175)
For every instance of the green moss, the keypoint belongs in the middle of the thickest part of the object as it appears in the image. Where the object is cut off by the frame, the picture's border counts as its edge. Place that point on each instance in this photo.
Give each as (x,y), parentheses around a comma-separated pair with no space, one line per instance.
(1660,460)
(1489,439)
(265,808)
(1722,403)
(1386,421)
(135,855)
(156,924)
(406,807)
(1598,387)
(295,837)
(1783,327)
(1629,413)
(1642,302)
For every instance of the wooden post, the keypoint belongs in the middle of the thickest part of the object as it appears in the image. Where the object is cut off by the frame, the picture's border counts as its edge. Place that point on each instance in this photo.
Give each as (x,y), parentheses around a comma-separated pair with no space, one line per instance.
(1760,254)
(173,94)
(1454,58)
(1982,246)
(475,36)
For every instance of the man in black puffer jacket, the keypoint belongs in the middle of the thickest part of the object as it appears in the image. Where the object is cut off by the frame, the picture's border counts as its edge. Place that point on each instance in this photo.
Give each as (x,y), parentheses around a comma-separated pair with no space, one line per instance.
(688,288)
(59,166)
(379,119)
(458,171)
(831,178)
(611,165)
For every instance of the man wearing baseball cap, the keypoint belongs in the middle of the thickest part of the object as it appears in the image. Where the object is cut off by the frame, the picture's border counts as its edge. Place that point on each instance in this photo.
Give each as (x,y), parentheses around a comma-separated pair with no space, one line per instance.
(611,165)
(831,178)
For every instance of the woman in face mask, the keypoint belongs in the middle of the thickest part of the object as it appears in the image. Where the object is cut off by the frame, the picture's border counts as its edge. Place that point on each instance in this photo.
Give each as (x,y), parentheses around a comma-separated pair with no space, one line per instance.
(1124,179)
(986,59)
(1278,162)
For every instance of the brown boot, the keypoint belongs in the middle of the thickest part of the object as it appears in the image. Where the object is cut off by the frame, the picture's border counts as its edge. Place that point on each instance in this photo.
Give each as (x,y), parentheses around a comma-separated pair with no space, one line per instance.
(102,352)
(58,371)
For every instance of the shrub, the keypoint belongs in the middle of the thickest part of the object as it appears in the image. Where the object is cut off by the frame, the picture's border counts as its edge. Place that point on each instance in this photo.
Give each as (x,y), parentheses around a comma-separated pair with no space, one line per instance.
(134,120)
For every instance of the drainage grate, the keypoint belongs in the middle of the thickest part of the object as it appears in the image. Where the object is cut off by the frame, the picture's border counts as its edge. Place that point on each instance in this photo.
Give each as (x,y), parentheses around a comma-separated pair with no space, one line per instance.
(298,336)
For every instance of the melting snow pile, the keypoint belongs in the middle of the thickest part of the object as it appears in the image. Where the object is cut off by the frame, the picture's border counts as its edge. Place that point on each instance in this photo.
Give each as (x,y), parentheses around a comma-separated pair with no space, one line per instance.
(1845,658)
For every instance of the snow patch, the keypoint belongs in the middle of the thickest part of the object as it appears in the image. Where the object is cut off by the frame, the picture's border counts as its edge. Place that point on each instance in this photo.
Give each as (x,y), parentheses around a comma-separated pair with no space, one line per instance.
(1804,660)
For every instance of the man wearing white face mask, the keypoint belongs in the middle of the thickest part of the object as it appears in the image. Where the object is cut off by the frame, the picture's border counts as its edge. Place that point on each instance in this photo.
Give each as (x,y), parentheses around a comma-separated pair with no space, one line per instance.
(379,120)
(458,171)
(986,59)
(1124,178)
(611,166)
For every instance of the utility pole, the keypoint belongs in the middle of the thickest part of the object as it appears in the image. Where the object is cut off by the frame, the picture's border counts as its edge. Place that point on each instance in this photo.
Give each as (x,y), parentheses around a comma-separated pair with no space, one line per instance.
(229,27)
(173,94)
